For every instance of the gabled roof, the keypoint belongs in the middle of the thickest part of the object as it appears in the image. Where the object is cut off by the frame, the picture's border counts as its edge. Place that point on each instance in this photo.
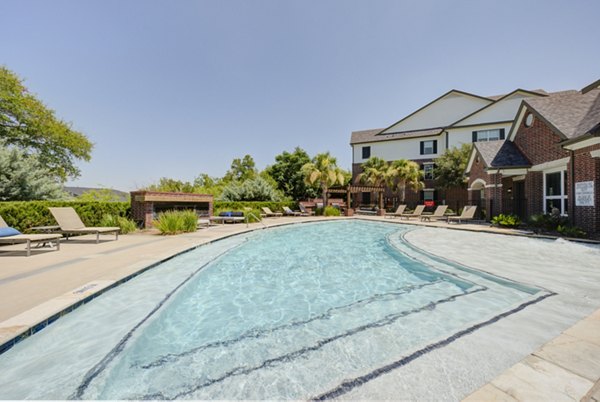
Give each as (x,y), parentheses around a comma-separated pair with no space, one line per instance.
(364,136)
(452,91)
(497,99)
(500,154)
(570,113)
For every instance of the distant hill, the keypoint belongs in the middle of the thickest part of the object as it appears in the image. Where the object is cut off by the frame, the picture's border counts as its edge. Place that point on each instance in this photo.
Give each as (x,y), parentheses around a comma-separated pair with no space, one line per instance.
(77,191)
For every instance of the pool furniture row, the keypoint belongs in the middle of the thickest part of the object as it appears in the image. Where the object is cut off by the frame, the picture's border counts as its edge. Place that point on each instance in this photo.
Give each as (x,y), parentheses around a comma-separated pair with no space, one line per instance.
(468,213)
(69,223)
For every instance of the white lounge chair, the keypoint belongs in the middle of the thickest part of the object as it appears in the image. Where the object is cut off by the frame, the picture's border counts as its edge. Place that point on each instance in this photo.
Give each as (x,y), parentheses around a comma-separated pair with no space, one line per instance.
(399,211)
(268,213)
(28,238)
(468,214)
(71,224)
(414,214)
(439,213)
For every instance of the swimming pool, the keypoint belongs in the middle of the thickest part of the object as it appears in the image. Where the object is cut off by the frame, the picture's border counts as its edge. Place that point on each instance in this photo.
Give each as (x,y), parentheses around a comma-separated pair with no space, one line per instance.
(304,311)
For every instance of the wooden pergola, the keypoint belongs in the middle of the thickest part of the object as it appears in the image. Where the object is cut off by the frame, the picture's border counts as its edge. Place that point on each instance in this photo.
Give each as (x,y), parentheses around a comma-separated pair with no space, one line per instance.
(351,189)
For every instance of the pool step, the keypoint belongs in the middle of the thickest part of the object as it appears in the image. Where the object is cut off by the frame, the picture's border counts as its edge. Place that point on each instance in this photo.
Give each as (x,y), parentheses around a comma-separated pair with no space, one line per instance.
(353,331)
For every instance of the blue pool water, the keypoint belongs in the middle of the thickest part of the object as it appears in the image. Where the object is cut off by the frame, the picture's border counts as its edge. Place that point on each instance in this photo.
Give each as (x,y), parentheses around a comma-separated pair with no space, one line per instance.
(292,312)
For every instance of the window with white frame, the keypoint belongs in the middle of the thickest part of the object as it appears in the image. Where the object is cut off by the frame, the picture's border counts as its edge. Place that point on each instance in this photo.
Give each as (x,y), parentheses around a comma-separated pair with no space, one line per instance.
(555,191)
(488,135)
(428,171)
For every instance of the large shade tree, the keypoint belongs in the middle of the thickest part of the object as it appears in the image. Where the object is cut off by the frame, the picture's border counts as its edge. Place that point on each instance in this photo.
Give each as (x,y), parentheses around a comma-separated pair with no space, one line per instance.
(287,173)
(324,171)
(27,123)
(241,169)
(449,170)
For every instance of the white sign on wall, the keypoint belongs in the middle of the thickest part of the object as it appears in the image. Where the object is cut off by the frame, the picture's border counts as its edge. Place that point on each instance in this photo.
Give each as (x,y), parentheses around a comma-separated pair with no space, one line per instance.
(584,194)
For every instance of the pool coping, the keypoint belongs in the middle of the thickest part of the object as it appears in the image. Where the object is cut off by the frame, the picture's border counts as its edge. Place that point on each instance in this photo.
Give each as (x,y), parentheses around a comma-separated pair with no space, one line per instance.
(29,322)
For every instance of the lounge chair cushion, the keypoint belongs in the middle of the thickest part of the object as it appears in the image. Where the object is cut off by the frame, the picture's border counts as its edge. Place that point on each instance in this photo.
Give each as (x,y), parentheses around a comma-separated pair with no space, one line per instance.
(8,231)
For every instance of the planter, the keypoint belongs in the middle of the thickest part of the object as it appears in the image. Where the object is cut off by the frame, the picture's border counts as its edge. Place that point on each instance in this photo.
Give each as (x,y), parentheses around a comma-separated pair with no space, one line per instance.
(349,212)
(381,212)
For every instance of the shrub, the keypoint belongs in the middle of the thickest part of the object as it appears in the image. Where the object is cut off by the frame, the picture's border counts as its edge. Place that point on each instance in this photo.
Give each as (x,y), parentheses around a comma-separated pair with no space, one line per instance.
(24,214)
(126,225)
(175,222)
(507,221)
(548,222)
(331,211)
(571,231)
(257,189)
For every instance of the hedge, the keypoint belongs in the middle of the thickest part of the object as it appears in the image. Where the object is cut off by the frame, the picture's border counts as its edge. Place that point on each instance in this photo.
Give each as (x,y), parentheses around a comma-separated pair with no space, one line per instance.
(23,215)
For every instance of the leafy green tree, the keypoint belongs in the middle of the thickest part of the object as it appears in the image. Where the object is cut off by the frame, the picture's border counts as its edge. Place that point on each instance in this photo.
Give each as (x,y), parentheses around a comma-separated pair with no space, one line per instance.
(287,173)
(241,170)
(204,184)
(204,180)
(24,178)
(324,171)
(27,123)
(172,186)
(404,173)
(257,189)
(449,170)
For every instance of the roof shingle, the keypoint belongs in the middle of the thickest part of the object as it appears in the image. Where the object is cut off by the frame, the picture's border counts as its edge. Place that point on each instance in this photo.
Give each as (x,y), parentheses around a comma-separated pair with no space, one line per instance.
(571,112)
(501,154)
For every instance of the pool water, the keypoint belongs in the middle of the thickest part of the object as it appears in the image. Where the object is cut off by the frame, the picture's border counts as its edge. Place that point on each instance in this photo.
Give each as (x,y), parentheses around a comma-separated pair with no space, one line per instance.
(286,313)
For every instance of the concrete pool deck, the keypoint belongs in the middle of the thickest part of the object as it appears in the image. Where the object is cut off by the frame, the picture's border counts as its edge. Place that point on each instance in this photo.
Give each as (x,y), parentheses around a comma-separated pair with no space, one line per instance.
(561,362)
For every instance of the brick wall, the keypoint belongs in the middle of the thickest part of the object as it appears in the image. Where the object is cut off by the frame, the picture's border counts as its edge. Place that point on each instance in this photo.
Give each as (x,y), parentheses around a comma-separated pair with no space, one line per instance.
(587,169)
(539,143)
(143,203)
(534,192)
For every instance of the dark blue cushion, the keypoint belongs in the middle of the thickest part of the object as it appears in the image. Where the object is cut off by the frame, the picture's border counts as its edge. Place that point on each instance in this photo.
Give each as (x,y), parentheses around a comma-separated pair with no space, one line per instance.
(8,232)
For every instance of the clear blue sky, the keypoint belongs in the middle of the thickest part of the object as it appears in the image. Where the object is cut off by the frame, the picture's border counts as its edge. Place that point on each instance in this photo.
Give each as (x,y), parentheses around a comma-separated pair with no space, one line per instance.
(178,88)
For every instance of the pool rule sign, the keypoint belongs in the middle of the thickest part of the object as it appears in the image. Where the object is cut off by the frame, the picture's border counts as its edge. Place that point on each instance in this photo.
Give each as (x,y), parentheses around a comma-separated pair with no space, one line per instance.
(584,194)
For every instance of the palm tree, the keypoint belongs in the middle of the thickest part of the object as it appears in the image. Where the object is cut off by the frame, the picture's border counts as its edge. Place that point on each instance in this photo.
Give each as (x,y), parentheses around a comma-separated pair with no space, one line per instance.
(404,173)
(323,170)
(376,172)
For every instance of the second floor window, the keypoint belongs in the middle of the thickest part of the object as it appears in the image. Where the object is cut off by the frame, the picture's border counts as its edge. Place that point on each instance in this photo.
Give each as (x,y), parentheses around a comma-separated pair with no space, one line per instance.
(366,152)
(488,135)
(429,147)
